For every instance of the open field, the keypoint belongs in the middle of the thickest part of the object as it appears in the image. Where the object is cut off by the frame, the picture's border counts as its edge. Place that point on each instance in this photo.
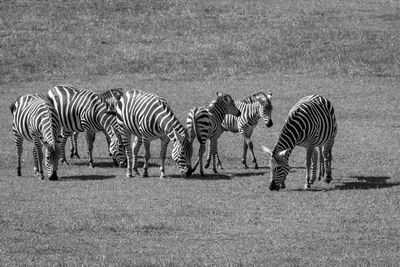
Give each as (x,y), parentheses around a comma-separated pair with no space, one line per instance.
(347,51)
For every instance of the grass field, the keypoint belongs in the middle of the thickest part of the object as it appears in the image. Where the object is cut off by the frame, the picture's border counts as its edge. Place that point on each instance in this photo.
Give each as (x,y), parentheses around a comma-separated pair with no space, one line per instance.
(185,51)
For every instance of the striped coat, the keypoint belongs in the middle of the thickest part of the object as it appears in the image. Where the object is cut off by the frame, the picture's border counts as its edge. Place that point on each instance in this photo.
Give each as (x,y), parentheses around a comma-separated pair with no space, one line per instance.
(35,120)
(149,117)
(311,123)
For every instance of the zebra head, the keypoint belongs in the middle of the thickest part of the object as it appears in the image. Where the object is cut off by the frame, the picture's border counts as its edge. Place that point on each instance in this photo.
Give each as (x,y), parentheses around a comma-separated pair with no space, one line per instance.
(229,103)
(265,107)
(279,166)
(182,153)
(52,154)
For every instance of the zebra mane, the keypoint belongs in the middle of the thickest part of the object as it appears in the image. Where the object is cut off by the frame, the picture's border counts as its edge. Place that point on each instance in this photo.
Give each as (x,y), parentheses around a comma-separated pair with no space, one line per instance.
(252,98)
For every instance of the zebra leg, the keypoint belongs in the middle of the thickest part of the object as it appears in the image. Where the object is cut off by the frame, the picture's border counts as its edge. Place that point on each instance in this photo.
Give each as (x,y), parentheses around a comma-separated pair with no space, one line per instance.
(163,153)
(38,158)
(18,142)
(328,159)
(202,149)
(219,162)
(146,158)
(74,146)
(63,141)
(136,147)
(252,153)
(314,164)
(213,152)
(208,157)
(310,151)
(244,155)
(90,137)
(321,164)
(127,142)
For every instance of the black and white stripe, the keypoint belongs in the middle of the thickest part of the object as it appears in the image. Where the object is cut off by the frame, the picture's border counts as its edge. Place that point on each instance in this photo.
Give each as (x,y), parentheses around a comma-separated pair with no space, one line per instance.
(205,123)
(108,97)
(311,123)
(84,111)
(35,120)
(149,117)
(252,108)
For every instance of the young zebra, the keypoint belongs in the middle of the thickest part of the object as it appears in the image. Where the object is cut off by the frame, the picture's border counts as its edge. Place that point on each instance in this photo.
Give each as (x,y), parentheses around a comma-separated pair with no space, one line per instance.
(108,97)
(149,117)
(84,111)
(252,108)
(35,120)
(311,123)
(205,123)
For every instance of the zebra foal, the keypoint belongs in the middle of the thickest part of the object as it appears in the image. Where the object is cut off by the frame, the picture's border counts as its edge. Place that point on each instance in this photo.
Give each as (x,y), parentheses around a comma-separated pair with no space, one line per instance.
(84,111)
(206,123)
(35,120)
(311,123)
(149,117)
(252,108)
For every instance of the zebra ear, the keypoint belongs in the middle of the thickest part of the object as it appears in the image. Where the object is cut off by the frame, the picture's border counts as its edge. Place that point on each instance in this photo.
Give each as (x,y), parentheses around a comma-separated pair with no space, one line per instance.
(117,93)
(269,95)
(284,153)
(266,150)
(218,94)
(262,99)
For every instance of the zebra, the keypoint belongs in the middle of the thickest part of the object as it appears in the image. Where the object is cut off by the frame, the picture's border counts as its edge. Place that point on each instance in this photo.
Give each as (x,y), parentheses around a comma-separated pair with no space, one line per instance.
(252,108)
(205,123)
(84,111)
(311,123)
(35,119)
(108,97)
(148,117)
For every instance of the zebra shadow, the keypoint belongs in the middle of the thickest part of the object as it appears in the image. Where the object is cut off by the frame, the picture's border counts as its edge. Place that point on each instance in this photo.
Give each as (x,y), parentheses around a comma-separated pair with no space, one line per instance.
(360,183)
(206,177)
(86,177)
(366,182)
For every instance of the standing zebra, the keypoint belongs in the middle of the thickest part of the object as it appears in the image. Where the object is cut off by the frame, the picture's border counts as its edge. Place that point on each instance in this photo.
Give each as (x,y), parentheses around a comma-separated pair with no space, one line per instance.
(84,111)
(108,97)
(205,123)
(149,117)
(252,108)
(35,120)
(311,123)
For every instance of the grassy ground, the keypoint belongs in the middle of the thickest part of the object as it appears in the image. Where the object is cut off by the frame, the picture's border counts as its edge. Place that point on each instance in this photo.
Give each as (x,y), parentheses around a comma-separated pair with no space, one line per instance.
(186,51)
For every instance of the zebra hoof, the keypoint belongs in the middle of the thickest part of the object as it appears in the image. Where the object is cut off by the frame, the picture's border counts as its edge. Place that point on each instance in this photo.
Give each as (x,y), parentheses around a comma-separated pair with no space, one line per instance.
(163,176)
(129,175)
(307,186)
(215,170)
(256,166)
(91,165)
(145,175)
(273,187)
(328,179)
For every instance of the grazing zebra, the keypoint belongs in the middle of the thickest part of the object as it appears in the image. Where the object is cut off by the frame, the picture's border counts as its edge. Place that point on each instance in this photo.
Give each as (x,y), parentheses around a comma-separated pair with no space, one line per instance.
(252,108)
(311,123)
(108,97)
(149,117)
(84,111)
(35,120)
(205,123)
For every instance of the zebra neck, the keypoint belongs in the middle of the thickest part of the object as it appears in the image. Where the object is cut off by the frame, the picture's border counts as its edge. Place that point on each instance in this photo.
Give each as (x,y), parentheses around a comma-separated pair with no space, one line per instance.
(288,137)
(173,125)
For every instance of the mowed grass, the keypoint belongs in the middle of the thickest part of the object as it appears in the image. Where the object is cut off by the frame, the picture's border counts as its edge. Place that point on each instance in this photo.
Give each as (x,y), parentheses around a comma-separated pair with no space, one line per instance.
(187,51)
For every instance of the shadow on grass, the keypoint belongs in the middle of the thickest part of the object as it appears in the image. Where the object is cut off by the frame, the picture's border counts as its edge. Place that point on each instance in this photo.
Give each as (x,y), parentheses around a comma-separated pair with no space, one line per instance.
(360,183)
(207,176)
(110,164)
(87,177)
(366,182)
